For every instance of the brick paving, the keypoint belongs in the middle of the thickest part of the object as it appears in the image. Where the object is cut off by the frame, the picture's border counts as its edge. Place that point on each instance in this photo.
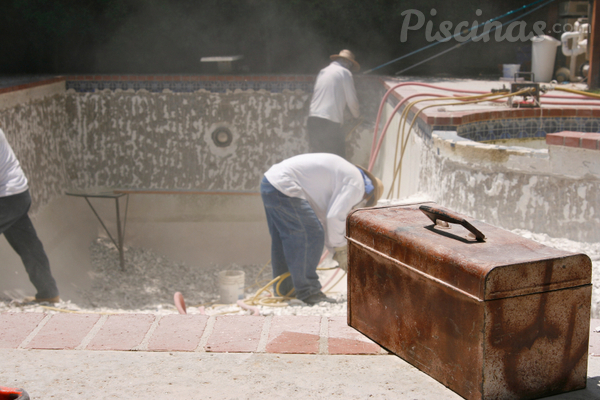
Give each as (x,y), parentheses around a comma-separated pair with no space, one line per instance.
(195,333)
(185,333)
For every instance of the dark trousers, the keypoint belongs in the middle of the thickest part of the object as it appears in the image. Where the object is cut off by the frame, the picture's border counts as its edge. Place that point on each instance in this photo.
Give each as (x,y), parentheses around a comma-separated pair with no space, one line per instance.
(20,234)
(297,241)
(325,136)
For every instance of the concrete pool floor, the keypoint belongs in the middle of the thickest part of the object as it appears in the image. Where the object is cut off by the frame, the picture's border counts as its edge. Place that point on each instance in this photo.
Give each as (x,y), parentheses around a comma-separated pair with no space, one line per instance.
(87,356)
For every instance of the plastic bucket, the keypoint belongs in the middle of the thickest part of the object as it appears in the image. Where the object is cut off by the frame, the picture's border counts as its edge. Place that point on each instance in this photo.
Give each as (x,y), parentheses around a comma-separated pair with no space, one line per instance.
(509,70)
(543,55)
(231,286)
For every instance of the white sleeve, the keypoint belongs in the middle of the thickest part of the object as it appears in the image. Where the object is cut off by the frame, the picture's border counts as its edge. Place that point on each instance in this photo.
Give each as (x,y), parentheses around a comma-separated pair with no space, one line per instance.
(351,99)
(336,216)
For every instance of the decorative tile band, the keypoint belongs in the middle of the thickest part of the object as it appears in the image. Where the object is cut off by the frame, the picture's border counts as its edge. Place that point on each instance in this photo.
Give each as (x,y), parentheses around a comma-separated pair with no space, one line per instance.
(29,85)
(182,83)
(518,128)
(521,125)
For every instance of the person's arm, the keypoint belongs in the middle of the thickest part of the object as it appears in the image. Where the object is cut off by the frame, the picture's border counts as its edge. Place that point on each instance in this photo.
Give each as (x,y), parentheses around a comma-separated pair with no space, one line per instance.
(351,98)
(347,198)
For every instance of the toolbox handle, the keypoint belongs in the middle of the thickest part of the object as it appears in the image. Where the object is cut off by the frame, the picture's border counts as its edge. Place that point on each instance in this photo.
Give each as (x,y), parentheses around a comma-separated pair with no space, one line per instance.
(435,213)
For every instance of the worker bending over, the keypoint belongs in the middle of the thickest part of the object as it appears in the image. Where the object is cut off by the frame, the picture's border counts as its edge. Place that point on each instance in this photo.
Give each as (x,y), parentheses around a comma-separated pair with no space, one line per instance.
(333,91)
(307,199)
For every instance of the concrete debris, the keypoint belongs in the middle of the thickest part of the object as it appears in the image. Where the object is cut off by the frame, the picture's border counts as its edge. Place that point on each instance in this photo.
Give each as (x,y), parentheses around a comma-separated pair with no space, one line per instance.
(150,280)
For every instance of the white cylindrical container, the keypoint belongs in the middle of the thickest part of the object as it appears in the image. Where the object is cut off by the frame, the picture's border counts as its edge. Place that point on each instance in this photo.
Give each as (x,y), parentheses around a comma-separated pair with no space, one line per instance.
(231,286)
(543,54)
(509,70)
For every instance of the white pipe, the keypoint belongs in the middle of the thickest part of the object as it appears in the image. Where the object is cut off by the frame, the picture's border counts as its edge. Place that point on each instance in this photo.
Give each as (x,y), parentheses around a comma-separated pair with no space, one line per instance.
(574,50)
(579,46)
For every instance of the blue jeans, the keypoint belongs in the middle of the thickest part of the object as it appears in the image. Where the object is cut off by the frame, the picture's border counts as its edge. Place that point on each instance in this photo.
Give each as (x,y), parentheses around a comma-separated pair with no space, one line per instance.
(20,234)
(297,240)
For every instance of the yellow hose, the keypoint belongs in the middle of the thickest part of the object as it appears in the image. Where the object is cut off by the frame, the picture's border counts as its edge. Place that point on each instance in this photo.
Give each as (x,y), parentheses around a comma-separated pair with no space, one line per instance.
(488,97)
(404,116)
(581,92)
(272,301)
(256,299)
(360,121)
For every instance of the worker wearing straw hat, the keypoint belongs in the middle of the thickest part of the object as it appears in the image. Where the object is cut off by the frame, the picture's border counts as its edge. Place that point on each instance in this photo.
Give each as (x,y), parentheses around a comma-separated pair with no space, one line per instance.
(333,91)
(307,198)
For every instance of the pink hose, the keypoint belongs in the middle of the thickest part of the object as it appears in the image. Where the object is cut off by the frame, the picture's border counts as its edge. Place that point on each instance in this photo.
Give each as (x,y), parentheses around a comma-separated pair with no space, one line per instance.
(332,276)
(375,149)
(561,103)
(255,311)
(390,90)
(376,144)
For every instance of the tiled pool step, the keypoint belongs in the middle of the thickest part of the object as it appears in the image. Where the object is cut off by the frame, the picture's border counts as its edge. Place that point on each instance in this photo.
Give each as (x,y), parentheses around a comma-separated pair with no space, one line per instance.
(218,334)
(584,140)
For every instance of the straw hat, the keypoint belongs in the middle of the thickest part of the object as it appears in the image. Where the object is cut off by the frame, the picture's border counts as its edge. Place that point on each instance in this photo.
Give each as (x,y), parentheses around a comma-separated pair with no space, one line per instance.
(377,185)
(348,55)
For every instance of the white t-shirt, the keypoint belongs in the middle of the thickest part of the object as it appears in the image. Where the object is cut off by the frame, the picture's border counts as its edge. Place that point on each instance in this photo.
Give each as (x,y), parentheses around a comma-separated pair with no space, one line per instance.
(330,184)
(12,178)
(334,89)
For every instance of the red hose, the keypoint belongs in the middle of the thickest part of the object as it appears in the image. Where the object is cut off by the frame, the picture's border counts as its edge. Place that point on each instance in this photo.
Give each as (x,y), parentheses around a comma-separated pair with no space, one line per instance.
(7,393)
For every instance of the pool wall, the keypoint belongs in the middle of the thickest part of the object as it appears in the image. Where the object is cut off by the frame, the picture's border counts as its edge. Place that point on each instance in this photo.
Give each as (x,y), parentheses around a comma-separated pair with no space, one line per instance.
(157,135)
(555,191)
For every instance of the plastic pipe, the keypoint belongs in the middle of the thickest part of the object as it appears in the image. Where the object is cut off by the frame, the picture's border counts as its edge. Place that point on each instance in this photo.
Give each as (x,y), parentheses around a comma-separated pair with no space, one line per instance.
(578,46)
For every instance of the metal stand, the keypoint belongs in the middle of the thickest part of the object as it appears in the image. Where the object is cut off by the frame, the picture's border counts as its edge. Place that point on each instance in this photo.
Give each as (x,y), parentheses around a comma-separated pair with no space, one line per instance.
(108,194)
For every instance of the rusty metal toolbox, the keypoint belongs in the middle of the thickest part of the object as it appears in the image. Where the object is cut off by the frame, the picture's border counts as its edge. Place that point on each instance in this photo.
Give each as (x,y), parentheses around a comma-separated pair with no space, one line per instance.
(484,311)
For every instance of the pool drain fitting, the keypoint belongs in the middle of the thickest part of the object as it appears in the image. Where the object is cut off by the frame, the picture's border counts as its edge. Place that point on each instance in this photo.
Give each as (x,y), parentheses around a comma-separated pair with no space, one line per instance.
(222,137)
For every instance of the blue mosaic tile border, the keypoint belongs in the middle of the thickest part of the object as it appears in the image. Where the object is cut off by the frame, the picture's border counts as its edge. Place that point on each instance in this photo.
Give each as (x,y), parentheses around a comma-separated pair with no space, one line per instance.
(214,86)
(509,128)
(518,128)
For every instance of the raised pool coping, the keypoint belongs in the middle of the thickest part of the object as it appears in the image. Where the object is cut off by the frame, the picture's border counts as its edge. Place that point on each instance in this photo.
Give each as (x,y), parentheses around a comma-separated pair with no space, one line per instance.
(486,122)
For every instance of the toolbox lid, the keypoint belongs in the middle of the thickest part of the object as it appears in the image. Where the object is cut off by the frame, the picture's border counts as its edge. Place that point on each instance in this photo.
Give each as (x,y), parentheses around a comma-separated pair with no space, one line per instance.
(481,260)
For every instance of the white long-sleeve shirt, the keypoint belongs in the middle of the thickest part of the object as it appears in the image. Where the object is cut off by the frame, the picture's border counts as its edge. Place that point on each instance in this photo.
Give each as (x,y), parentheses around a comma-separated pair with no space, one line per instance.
(330,184)
(12,178)
(333,90)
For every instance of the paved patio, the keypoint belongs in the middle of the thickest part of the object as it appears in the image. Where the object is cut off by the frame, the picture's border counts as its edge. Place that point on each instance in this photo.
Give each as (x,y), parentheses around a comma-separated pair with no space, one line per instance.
(90,356)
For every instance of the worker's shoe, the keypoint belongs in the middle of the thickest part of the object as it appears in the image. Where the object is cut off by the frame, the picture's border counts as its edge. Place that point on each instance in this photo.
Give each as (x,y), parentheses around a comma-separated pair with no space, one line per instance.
(31,299)
(317,298)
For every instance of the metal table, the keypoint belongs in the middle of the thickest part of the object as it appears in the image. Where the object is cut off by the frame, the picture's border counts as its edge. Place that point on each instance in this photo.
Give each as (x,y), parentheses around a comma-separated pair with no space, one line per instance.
(103,193)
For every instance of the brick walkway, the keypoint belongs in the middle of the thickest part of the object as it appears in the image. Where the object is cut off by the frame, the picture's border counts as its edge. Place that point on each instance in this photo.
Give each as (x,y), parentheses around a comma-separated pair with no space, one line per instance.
(217,334)
(195,333)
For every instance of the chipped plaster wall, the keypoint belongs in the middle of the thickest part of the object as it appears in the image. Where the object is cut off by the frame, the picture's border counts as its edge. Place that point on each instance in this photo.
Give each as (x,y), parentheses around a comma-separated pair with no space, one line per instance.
(36,130)
(555,191)
(515,188)
(369,91)
(163,140)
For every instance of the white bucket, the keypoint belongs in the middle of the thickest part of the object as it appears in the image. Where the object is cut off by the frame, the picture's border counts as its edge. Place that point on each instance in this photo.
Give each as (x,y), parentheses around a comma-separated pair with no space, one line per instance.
(543,55)
(509,70)
(231,286)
